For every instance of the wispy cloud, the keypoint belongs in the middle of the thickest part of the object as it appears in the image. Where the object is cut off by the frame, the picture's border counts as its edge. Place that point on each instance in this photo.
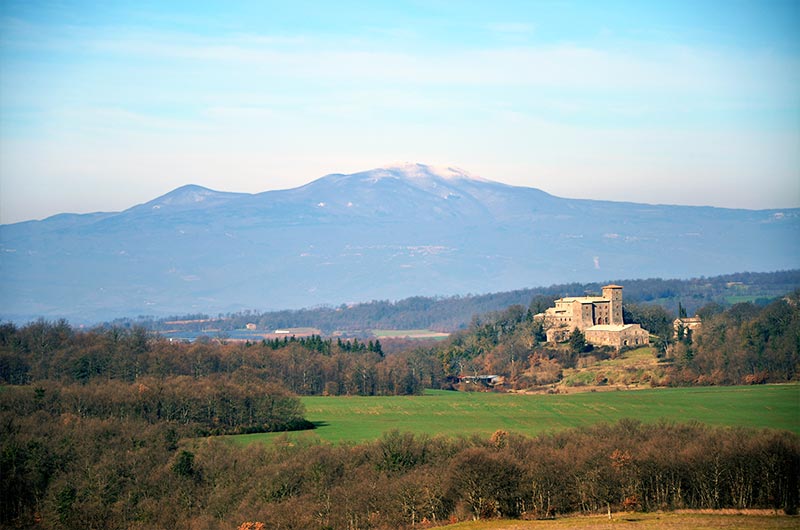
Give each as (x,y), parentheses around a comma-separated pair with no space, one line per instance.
(508,97)
(570,66)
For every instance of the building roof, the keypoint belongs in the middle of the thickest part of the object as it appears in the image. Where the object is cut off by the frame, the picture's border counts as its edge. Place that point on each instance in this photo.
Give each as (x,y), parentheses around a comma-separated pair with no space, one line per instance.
(584,299)
(612,286)
(611,327)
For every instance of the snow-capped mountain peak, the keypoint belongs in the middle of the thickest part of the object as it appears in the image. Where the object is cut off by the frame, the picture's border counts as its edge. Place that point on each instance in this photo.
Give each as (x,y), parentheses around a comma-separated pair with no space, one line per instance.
(421,171)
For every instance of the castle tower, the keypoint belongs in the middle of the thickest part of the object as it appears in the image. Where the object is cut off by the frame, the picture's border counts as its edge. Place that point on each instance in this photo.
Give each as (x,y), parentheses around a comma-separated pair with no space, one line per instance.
(614,293)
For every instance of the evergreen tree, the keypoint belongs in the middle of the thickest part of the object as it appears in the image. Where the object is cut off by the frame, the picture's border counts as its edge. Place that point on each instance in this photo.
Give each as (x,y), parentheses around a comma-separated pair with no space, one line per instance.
(577,341)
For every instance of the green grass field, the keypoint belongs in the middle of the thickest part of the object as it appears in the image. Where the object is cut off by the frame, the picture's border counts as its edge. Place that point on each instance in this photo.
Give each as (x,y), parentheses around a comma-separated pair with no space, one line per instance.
(743,298)
(359,419)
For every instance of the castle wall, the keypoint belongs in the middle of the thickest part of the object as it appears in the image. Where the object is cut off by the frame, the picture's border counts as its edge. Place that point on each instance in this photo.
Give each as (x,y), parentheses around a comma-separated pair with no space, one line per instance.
(617,336)
(602,313)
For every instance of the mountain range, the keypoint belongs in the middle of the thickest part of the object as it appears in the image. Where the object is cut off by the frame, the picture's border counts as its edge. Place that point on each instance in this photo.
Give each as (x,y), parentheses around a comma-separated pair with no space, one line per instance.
(387,233)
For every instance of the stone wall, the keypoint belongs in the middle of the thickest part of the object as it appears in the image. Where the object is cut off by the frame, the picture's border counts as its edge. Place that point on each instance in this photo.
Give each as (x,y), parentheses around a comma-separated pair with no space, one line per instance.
(627,335)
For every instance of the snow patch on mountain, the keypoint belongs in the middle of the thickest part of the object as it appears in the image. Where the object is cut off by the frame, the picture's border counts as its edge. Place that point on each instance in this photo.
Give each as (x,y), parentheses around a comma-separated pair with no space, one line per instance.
(423,171)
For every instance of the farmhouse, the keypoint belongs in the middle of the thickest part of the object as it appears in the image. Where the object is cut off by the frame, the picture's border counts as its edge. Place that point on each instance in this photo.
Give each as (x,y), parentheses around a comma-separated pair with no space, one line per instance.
(598,317)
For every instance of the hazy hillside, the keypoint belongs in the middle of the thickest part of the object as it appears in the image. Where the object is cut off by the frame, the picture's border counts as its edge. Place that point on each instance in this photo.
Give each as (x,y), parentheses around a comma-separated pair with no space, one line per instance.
(381,234)
(456,312)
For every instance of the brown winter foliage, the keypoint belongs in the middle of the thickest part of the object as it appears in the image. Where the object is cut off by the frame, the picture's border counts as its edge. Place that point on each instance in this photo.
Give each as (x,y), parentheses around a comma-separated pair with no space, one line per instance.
(308,366)
(745,344)
(61,470)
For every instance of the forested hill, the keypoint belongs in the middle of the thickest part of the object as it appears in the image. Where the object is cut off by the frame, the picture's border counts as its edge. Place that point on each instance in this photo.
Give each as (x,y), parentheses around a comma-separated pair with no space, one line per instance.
(453,313)
(744,344)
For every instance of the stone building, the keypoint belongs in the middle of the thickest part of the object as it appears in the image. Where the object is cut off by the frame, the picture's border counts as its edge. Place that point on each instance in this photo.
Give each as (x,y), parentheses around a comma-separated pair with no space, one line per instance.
(618,336)
(686,324)
(598,317)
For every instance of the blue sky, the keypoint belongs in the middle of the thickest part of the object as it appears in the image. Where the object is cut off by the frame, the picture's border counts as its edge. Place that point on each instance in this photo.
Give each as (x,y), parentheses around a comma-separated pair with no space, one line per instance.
(104,105)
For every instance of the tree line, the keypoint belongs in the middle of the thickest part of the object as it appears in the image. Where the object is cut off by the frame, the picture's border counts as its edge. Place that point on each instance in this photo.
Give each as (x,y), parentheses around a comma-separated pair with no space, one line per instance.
(64,471)
(55,351)
(211,406)
(746,343)
(320,345)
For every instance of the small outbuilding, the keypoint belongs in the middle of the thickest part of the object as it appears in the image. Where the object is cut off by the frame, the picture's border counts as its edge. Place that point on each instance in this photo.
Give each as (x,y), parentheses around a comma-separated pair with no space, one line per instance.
(486,380)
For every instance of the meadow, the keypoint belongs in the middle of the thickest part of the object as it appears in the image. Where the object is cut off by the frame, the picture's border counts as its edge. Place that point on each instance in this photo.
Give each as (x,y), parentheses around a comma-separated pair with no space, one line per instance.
(438,412)
(643,521)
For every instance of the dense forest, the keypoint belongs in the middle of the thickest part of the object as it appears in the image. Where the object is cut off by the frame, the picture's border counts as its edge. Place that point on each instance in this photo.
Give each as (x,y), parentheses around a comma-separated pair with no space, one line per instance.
(453,313)
(61,470)
(42,351)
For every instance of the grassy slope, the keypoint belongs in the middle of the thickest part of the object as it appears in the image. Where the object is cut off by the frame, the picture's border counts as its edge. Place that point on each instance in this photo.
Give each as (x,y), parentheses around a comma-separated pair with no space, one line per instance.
(635,367)
(359,419)
(641,521)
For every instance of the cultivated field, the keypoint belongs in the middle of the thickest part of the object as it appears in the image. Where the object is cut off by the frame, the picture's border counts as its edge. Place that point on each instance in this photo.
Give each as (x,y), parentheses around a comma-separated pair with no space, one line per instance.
(409,334)
(359,419)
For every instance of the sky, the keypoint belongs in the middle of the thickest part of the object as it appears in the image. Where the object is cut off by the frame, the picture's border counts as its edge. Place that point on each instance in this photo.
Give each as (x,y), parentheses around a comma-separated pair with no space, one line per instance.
(104,105)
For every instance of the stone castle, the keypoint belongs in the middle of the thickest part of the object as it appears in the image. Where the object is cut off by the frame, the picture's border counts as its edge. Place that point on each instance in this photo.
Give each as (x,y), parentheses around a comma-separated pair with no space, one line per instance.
(598,317)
